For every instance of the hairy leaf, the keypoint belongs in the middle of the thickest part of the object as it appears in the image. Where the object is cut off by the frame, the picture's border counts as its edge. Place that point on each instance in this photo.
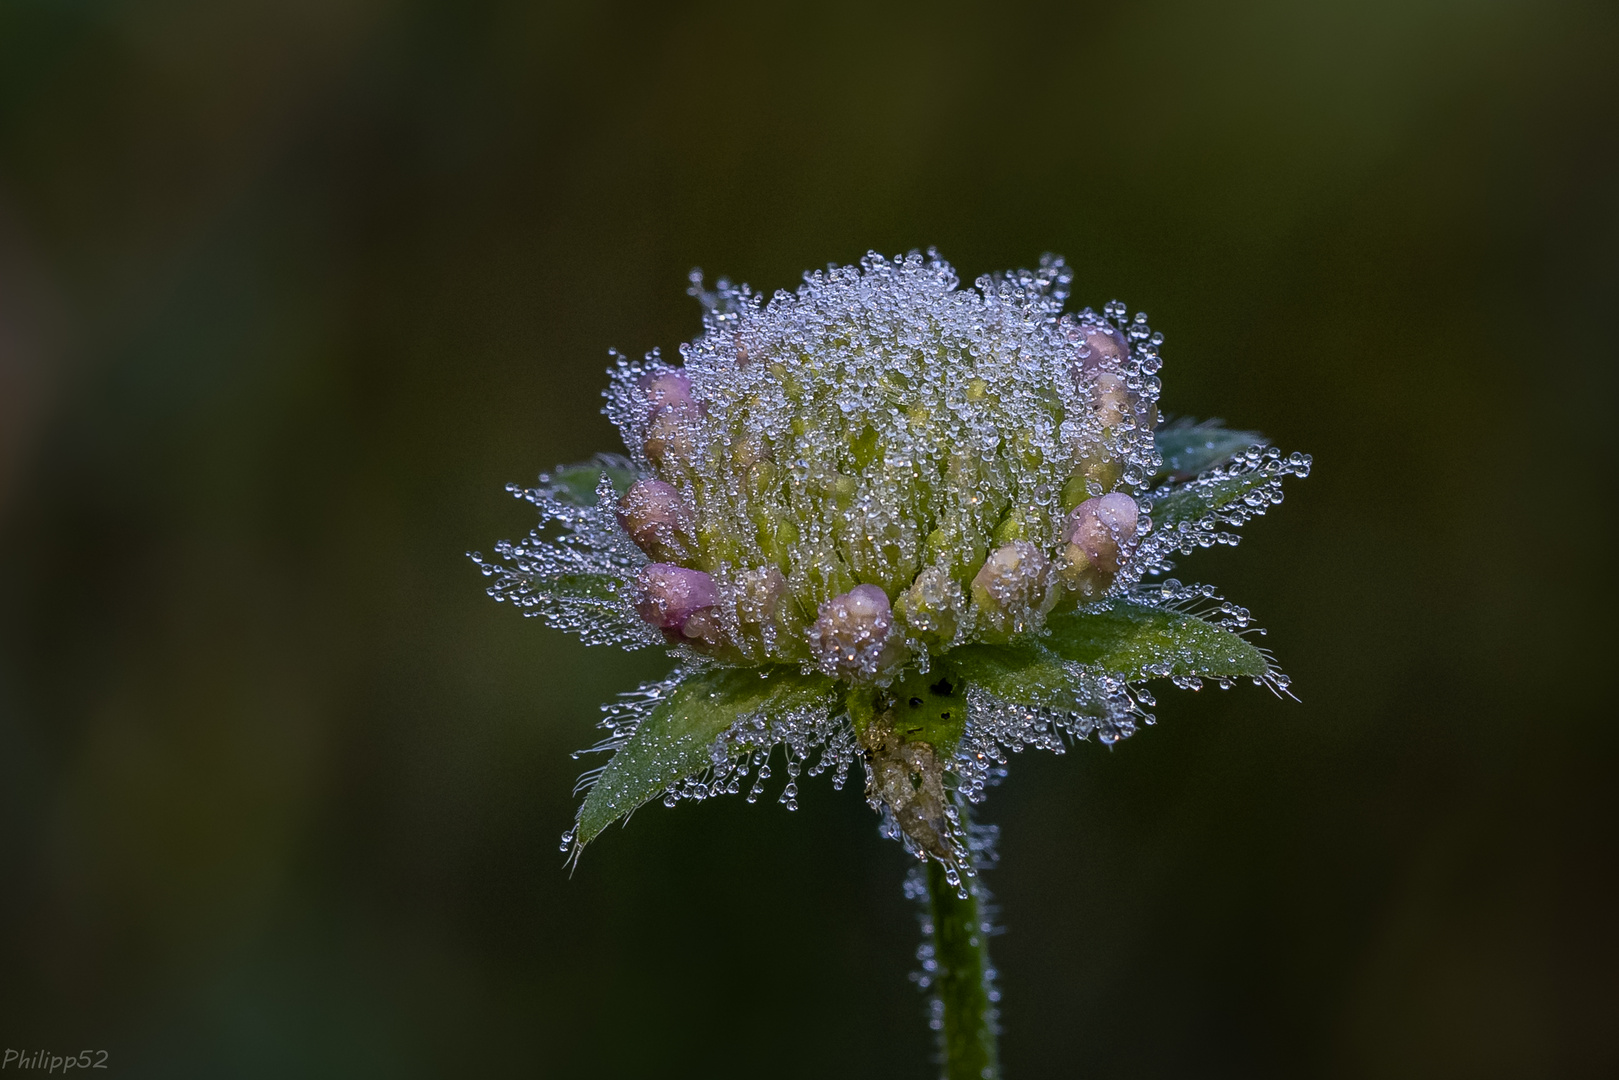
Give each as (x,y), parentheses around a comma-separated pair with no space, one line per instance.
(1189,449)
(577,483)
(1201,498)
(576,588)
(1138,640)
(1026,673)
(674,739)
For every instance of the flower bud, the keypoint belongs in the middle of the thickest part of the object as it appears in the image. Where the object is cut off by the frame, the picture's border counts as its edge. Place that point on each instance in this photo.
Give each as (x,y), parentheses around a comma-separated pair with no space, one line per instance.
(670,433)
(657,519)
(1095,474)
(704,627)
(766,616)
(667,388)
(1012,527)
(1099,536)
(1121,514)
(932,606)
(775,533)
(1112,399)
(752,454)
(668,596)
(849,635)
(1010,589)
(954,547)
(1100,346)
(760,595)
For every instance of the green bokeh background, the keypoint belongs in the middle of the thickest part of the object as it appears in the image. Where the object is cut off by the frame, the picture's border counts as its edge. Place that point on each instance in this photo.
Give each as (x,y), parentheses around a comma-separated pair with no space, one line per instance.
(290,290)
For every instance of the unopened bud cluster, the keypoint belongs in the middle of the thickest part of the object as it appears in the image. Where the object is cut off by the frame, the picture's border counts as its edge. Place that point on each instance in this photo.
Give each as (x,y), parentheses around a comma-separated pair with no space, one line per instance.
(882,465)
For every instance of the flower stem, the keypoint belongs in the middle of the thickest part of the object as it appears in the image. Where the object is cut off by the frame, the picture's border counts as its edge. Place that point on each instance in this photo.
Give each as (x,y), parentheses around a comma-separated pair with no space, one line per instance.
(961,949)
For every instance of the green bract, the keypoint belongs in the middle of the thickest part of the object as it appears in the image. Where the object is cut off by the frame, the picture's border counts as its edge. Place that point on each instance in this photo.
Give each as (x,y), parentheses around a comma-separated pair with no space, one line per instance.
(674,739)
(887,521)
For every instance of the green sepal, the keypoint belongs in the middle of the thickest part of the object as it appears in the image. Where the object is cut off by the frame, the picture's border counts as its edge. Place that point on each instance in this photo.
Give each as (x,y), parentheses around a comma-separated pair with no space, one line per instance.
(1189,449)
(1201,498)
(1137,640)
(673,741)
(1026,673)
(577,483)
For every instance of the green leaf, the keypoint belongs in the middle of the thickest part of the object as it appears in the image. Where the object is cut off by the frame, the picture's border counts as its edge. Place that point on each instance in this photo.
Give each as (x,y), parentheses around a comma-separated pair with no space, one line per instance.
(578,588)
(1137,640)
(673,740)
(577,483)
(1026,673)
(1201,498)
(1189,449)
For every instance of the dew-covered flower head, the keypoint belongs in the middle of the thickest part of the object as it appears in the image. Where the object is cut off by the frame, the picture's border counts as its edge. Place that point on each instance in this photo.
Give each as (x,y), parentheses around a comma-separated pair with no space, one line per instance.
(883,465)
(890,519)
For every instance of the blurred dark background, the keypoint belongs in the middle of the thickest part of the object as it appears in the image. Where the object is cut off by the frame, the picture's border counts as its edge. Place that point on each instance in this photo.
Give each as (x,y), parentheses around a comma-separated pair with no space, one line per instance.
(289,290)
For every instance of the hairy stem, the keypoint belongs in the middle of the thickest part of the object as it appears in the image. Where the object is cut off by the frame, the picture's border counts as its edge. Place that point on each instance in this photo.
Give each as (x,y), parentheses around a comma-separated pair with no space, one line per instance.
(961,948)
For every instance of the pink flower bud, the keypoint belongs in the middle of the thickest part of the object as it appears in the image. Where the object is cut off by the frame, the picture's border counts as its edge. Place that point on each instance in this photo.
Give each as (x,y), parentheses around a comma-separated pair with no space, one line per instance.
(666,388)
(1104,529)
(1010,588)
(852,628)
(670,433)
(1120,514)
(657,518)
(1100,346)
(669,595)
(704,627)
